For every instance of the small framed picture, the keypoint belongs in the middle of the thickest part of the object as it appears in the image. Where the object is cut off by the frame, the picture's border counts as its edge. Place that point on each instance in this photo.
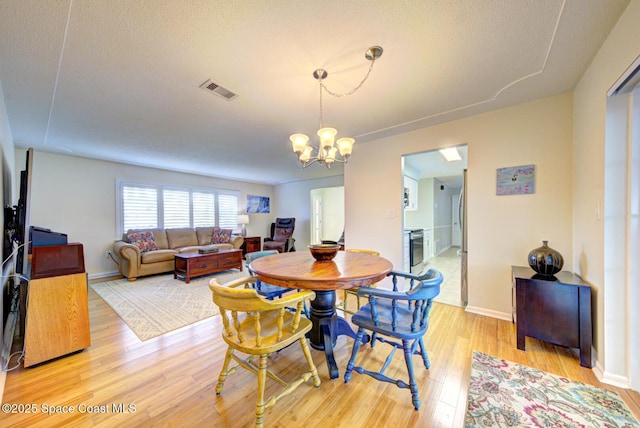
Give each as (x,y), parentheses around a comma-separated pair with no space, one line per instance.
(516,180)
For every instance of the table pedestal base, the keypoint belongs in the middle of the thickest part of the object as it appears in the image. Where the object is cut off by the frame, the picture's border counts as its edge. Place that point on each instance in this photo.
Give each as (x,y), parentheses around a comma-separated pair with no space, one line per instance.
(327,326)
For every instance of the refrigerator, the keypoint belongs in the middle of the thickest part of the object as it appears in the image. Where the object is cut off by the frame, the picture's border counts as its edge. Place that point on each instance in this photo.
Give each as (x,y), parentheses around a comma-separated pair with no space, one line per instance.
(462,214)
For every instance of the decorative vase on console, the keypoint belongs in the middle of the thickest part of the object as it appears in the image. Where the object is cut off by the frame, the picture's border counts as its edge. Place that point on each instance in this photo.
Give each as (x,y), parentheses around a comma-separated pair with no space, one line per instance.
(545,260)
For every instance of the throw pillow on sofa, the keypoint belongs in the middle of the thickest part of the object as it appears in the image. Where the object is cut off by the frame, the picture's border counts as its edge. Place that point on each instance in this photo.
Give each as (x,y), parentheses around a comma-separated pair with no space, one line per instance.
(221,236)
(143,240)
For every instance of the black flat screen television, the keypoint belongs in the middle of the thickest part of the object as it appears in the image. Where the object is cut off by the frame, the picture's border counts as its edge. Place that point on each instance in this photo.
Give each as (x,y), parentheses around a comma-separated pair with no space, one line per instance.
(23,215)
(9,217)
(41,237)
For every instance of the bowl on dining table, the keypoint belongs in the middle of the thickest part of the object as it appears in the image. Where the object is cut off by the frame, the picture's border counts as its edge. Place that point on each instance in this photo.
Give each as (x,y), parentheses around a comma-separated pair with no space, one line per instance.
(324,252)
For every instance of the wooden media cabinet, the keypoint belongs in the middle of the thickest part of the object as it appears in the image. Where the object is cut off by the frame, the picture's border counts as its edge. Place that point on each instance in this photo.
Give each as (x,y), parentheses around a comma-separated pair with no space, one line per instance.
(57,309)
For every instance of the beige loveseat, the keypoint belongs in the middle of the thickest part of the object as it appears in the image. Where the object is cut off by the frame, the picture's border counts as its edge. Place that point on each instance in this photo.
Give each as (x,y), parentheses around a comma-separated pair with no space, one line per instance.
(135,263)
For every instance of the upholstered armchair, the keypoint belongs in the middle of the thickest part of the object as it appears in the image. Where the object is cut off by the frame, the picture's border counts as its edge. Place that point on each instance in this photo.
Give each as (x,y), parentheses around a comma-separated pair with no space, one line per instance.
(281,236)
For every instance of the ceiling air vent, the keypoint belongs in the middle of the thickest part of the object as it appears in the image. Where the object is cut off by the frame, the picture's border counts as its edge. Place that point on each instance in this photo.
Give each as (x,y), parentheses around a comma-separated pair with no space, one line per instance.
(214,88)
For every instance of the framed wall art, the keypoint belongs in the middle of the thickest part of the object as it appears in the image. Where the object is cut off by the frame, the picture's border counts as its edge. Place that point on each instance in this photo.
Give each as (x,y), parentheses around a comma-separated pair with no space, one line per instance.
(516,180)
(258,204)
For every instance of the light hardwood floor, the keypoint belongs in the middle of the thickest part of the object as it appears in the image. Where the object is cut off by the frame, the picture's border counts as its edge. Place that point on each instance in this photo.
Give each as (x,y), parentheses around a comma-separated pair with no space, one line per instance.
(171,379)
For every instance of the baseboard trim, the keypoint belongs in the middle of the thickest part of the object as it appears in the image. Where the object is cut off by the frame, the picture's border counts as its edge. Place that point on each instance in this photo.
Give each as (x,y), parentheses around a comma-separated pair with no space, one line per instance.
(103,275)
(610,378)
(506,316)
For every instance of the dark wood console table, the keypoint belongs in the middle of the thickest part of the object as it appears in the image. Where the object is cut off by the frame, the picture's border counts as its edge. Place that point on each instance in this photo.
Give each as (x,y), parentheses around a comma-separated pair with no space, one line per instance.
(251,244)
(557,311)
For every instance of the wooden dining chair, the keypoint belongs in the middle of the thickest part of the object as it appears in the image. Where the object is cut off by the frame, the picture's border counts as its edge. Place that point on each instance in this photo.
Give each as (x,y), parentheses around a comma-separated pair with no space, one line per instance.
(400,319)
(258,327)
(353,291)
(268,290)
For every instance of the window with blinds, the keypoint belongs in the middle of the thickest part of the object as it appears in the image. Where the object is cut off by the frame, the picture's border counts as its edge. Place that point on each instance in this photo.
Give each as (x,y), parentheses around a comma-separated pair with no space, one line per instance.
(204,208)
(139,207)
(144,206)
(176,208)
(228,211)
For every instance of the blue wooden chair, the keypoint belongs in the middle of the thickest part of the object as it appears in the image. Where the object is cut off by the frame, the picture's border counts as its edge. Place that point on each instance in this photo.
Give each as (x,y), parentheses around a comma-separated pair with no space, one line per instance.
(269,291)
(266,290)
(399,319)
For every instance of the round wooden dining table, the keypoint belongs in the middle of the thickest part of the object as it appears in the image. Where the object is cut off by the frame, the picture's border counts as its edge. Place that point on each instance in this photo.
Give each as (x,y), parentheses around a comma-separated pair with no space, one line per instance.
(301,270)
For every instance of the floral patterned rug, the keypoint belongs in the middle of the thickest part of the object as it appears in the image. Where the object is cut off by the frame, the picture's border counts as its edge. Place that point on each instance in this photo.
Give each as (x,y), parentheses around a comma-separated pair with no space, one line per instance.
(506,394)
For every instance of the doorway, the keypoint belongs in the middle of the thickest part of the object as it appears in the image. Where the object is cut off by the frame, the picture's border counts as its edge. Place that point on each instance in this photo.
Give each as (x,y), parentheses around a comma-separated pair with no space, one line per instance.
(437,211)
(621,227)
(327,214)
(456,218)
(316,219)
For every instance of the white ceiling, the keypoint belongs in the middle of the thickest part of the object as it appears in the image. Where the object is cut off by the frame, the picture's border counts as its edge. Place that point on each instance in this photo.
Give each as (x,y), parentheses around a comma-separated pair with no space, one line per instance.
(432,164)
(119,79)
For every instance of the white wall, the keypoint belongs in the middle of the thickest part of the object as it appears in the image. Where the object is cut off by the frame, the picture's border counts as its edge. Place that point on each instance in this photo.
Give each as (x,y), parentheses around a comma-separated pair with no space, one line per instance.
(6,138)
(332,212)
(590,104)
(502,229)
(293,200)
(77,196)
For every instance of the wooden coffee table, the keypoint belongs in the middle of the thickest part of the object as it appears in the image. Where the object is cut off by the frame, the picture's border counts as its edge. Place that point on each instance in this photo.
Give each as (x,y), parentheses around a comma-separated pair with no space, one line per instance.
(189,265)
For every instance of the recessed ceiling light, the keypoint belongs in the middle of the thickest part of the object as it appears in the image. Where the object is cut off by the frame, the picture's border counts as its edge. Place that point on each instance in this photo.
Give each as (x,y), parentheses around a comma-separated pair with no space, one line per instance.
(450,154)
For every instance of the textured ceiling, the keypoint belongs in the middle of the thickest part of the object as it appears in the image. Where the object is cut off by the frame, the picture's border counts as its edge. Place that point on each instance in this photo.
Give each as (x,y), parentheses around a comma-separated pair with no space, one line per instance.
(119,79)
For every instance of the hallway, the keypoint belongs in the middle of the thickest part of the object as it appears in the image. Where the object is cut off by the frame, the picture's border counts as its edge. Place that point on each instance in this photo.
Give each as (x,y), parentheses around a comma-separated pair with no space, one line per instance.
(448,263)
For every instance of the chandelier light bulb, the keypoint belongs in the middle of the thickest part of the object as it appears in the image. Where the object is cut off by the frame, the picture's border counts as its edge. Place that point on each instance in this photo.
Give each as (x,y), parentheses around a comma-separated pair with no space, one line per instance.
(345,145)
(330,157)
(305,155)
(327,137)
(299,142)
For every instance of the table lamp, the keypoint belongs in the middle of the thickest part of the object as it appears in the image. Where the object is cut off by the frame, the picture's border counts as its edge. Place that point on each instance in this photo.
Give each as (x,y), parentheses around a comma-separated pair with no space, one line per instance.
(243,219)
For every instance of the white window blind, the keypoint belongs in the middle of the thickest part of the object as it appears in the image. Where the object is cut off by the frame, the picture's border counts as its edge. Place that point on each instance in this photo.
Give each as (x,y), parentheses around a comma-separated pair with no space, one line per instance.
(143,206)
(139,207)
(176,208)
(204,209)
(228,211)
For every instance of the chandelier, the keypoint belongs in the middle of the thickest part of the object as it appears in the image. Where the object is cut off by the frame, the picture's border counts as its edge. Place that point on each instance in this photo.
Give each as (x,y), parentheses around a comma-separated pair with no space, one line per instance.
(328,149)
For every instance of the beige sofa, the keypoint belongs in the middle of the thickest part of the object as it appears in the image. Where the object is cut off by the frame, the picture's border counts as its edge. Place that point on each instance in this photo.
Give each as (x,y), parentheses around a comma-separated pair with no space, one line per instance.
(135,263)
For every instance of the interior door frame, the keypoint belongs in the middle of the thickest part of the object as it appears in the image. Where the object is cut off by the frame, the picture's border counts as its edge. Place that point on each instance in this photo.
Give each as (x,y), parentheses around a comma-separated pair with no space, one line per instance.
(456,229)
(316,219)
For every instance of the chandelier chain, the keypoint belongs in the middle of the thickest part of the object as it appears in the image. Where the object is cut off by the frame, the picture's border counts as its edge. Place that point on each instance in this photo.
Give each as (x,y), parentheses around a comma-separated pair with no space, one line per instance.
(326,152)
(321,118)
(351,92)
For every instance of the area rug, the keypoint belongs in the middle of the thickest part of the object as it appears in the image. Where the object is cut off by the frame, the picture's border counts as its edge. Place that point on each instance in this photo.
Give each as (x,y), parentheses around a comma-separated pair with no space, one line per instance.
(158,304)
(506,394)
